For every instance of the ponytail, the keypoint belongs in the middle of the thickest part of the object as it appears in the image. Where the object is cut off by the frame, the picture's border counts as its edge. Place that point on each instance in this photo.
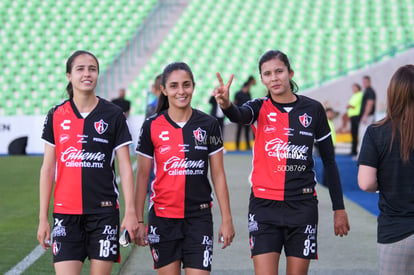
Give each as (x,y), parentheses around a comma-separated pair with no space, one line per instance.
(162,103)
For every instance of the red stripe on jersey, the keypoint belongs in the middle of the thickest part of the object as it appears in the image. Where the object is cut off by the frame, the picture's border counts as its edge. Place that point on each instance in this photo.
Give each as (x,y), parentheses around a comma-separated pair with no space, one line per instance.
(68,189)
(268,176)
(168,192)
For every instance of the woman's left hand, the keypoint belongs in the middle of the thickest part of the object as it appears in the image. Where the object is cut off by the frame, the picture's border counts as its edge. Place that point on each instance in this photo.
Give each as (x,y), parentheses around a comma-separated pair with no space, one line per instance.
(341,223)
(226,234)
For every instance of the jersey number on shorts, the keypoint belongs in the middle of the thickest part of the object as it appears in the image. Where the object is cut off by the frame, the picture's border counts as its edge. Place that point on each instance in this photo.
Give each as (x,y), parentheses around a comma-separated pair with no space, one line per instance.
(309,247)
(105,248)
(207,258)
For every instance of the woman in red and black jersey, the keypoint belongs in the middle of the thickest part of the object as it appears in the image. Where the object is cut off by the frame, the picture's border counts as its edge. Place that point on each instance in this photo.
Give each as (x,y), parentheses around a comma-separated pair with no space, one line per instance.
(283,205)
(182,142)
(83,135)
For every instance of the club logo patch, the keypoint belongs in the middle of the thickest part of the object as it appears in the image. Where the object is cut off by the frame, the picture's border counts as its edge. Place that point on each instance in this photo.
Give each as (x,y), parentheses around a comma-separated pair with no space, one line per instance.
(199,134)
(56,247)
(101,126)
(155,254)
(305,120)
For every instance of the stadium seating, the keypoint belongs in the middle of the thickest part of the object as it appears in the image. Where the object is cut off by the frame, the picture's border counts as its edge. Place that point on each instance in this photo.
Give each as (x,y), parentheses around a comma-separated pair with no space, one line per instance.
(323,38)
(36,38)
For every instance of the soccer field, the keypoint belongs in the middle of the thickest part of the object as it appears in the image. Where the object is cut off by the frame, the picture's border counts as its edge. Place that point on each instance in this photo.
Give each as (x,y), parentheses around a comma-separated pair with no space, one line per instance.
(20,211)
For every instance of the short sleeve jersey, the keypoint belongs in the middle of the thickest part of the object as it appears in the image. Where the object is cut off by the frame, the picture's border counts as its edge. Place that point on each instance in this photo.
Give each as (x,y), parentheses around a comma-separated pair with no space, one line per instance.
(181,187)
(85,153)
(282,161)
(395,183)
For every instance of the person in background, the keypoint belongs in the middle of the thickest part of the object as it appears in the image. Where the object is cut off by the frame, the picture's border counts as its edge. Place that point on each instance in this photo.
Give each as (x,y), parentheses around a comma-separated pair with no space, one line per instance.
(353,113)
(283,208)
(367,113)
(386,165)
(156,91)
(82,137)
(122,102)
(240,98)
(183,142)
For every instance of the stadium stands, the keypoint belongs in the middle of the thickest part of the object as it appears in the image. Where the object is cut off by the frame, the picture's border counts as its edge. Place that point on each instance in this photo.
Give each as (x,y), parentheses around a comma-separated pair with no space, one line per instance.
(36,37)
(323,38)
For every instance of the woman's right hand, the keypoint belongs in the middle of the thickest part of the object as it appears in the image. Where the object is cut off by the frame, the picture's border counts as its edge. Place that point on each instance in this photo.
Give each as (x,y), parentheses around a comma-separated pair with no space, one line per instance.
(222,92)
(43,234)
(141,237)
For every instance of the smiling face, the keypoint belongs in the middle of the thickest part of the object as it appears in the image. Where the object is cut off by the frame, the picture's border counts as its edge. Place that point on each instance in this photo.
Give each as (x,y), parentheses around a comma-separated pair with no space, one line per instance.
(179,88)
(276,76)
(84,73)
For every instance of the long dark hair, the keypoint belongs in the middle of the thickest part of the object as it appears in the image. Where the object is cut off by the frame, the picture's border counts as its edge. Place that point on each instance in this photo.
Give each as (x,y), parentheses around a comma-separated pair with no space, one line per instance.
(175,66)
(69,65)
(400,109)
(275,54)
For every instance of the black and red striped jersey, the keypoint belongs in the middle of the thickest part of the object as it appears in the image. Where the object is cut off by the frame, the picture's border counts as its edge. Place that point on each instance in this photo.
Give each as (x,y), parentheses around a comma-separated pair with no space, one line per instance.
(181,186)
(85,154)
(284,138)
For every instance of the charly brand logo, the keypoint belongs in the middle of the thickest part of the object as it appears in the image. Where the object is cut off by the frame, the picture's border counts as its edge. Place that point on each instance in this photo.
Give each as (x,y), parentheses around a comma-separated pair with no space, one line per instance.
(164,136)
(65,124)
(100,126)
(272,117)
(305,120)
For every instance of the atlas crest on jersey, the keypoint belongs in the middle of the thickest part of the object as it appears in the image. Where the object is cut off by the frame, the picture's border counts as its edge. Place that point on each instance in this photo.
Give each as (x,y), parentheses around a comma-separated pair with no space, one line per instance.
(200,135)
(100,126)
(305,120)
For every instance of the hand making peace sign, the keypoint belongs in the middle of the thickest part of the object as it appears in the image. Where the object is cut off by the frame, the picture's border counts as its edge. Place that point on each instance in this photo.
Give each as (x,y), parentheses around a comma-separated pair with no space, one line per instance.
(221,93)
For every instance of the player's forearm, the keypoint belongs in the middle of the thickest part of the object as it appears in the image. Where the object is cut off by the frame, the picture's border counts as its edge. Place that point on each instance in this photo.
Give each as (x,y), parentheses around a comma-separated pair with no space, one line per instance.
(45,192)
(222,194)
(238,114)
(141,189)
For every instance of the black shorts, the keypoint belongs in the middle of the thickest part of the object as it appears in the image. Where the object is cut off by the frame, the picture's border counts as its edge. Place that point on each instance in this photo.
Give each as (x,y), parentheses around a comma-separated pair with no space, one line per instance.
(76,237)
(189,240)
(291,225)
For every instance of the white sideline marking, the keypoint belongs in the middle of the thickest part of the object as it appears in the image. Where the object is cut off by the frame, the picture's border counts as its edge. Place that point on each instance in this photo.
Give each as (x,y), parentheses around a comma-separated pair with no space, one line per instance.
(38,251)
(27,261)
